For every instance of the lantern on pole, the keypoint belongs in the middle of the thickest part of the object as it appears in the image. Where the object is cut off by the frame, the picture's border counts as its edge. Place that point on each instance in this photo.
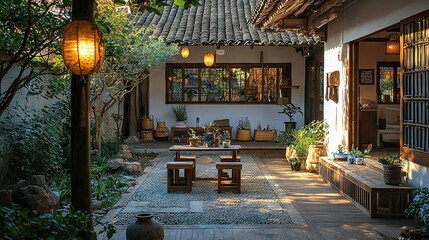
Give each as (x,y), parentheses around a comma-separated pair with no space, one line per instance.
(209,59)
(185,52)
(83,47)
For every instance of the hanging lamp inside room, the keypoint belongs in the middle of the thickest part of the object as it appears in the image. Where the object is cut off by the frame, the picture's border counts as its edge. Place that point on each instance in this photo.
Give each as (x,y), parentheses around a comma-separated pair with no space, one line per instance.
(185,52)
(209,59)
(83,47)
(392,44)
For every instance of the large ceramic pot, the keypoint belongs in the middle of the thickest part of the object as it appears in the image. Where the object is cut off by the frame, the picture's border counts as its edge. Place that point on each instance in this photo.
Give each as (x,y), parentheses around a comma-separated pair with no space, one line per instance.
(392,174)
(145,228)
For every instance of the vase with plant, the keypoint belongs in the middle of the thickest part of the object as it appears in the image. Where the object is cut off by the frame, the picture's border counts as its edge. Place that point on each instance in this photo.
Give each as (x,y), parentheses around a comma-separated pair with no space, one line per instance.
(290,110)
(360,156)
(181,113)
(296,152)
(317,132)
(392,166)
(340,154)
(193,138)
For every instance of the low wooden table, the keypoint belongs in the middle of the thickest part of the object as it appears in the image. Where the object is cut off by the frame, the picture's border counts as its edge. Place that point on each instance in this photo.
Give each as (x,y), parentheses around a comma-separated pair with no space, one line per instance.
(365,187)
(186,148)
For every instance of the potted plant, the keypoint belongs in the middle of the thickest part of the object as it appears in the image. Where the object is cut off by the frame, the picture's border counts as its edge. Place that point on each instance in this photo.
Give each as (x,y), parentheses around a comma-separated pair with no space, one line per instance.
(392,166)
(340,154)
(296,152)
(317,132)
(359,156)
(290,110)
(193,138)
(181,113)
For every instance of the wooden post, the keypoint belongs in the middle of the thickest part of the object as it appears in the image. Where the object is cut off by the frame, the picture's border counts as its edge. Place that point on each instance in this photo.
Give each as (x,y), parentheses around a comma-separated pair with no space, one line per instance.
(80,130)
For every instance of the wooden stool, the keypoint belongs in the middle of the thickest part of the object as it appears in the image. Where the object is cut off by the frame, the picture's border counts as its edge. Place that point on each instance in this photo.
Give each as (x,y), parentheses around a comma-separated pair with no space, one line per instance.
(232,184)
(189,158)
(228,158)
(176,183)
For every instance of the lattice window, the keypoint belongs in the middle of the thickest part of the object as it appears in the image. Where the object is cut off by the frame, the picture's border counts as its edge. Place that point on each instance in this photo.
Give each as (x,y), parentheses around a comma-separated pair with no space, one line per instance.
(415,107)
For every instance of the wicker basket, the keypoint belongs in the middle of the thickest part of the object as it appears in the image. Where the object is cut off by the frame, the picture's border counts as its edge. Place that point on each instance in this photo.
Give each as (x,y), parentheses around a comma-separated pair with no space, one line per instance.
(266,136)
(147,123)
(243,135)
(146,136)
(392,174)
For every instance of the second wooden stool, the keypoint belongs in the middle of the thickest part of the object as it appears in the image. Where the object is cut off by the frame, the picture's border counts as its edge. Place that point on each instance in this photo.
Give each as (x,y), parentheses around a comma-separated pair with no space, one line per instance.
(176,183)
(232,184)
(189,158)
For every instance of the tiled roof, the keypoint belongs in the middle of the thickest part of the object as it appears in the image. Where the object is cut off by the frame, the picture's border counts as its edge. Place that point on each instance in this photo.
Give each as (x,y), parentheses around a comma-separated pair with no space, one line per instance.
(214,22)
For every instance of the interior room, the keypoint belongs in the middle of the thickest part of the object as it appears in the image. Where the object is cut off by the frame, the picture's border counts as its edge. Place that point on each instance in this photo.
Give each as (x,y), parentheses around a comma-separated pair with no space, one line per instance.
(379,89)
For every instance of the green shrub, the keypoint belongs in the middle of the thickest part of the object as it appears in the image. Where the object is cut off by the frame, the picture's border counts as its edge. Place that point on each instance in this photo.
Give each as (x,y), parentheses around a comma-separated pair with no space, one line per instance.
(34,140)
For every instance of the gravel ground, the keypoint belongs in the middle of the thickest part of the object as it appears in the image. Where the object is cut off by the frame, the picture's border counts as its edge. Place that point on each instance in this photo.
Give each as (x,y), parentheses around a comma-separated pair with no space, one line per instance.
(248,207)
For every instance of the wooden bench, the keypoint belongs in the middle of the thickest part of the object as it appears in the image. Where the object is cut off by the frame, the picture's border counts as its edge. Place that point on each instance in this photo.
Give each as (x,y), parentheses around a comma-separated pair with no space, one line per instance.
(365,187)
(232,184)
(176,183)
(189,158)
(228,158)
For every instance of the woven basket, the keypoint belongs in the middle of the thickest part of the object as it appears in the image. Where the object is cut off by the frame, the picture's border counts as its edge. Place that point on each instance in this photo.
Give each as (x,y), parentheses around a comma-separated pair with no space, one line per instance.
(147,123)
(146,136)
(265,136)
(392,174)
(243,135)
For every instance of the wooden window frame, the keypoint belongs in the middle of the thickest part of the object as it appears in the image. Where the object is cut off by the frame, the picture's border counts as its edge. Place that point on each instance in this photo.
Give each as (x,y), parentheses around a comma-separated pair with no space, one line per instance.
(286,67)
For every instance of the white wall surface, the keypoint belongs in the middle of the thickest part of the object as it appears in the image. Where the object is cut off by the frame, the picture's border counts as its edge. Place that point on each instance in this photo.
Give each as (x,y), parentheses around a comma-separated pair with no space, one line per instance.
(359,19)
(257,113)
(364,17)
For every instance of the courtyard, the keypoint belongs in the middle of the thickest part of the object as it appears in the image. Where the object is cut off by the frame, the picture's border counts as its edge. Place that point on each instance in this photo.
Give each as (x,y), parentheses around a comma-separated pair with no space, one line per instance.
(275,202)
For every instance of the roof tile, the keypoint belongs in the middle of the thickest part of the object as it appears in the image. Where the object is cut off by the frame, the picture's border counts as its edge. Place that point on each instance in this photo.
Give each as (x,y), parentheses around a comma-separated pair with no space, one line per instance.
(214,22)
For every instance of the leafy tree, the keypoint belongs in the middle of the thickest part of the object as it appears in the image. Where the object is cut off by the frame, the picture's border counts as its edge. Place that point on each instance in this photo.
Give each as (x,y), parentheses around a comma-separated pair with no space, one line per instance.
(29,33)
(128,61)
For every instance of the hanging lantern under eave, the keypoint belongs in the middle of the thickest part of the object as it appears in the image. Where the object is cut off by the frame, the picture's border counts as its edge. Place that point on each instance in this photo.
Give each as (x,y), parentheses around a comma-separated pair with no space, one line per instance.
(83,47)
(392,44)
(209,59)
(185,52)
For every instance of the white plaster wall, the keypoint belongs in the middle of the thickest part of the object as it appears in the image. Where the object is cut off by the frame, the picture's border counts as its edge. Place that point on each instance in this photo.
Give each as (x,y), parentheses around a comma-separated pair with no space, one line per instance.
(257,113)
(359,19)
(363,17)
(336,113)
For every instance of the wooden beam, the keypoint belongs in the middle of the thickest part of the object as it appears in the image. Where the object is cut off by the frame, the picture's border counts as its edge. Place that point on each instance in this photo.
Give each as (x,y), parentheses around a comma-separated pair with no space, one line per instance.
(324,18)
(273,17)
(292,23)
(303,8)
(325,7)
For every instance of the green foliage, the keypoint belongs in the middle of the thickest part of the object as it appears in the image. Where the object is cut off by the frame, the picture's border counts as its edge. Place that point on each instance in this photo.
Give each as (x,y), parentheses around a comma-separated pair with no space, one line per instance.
(290,110)
(287,137)
(19,224)
(302,142)
(30,33)
(180,112)
(317,131)
(419,208)
(34,139)
(391,160)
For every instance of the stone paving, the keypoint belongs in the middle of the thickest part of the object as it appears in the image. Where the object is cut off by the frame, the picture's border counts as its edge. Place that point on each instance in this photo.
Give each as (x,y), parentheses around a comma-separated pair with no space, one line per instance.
(258,203)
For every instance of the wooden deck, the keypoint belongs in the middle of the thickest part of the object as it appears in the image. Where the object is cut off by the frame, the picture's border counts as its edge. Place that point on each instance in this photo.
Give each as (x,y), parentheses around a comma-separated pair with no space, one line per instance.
(324,212)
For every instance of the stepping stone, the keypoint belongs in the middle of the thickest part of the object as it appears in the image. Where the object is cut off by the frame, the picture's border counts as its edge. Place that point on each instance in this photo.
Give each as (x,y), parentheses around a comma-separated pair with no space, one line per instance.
(196,206)
(135,206)
(274,206)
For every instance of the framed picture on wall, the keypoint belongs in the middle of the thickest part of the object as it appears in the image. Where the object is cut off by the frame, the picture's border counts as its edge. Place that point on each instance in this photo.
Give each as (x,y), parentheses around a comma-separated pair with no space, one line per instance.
(366,76)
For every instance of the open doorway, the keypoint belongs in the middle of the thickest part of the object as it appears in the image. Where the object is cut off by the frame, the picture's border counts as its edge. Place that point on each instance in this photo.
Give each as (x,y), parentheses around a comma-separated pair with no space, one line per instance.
(377,93)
